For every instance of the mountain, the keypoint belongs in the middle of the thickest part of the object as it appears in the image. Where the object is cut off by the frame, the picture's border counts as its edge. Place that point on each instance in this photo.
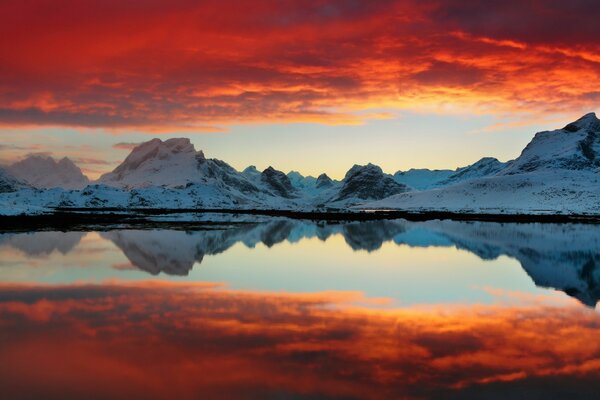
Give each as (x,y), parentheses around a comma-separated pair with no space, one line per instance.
(300,181)
(558,172)
(8,183)
(278,183)
(485,167)
(323,182)
(574,147)
(424,179)
(159,170)
(367,182)
(45,172)
(421,179)
(174,162)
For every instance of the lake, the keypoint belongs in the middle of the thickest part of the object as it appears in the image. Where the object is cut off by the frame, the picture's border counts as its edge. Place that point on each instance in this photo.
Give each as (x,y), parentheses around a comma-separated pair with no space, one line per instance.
(281,308)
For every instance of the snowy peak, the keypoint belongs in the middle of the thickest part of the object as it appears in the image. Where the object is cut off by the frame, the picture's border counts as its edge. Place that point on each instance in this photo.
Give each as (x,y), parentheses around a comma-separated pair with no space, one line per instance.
(45,172)
(574,147)
(588,121)
(368,182)
(157,149)
(173,162)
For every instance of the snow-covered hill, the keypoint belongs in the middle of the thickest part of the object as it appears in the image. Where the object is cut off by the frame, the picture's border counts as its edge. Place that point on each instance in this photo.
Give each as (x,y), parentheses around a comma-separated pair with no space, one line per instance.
(44,172)
(558,172)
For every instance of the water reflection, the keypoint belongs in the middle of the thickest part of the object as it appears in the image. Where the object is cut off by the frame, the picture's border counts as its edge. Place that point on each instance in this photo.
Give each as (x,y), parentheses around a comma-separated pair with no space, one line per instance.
(170,337)
(561,256)
(190,341)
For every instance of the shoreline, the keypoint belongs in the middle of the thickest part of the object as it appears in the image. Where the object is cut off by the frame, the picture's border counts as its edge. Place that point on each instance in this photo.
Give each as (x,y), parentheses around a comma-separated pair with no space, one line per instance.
(80,218)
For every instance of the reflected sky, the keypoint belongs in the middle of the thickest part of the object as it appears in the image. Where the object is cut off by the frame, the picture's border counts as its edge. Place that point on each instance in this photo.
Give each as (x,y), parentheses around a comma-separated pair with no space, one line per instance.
(291,309)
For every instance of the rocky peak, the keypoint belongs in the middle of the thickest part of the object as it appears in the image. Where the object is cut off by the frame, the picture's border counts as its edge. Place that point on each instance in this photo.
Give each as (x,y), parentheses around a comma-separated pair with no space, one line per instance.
(323,181)
(588,121)
(278,181)
(368,182)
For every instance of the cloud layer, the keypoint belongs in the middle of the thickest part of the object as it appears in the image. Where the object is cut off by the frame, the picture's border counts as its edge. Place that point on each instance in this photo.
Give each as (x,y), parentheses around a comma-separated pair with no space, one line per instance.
(170,340)
(192,65)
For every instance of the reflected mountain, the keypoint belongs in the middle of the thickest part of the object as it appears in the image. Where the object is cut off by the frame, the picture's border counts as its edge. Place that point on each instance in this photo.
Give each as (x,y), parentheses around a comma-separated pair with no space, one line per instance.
(41,244)
(561,256)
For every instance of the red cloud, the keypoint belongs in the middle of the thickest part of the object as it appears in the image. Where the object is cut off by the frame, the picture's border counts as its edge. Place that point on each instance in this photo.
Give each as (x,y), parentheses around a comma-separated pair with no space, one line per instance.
(167,340)
(192,65)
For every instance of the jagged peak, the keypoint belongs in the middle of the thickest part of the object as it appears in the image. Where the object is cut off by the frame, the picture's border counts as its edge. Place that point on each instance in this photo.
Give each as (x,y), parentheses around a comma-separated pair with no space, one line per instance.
(270,170)
(356,168)
(589,120)
(295,174)
(250,169)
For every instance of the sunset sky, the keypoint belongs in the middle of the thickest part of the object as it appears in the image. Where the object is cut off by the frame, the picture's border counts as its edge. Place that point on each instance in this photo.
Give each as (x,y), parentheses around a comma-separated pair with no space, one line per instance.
(313,86)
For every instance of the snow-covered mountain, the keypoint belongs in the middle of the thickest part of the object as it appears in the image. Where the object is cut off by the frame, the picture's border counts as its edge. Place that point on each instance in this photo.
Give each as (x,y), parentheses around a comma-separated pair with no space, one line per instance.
(172,163)
(8,183)
(487,166)
(44,172)
(158,170)
(423,178)
(367,182)
(558,172)
(575,147)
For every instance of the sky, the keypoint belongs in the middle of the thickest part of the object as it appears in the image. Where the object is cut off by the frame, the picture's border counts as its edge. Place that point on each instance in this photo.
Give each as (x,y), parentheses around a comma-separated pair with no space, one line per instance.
(312,86)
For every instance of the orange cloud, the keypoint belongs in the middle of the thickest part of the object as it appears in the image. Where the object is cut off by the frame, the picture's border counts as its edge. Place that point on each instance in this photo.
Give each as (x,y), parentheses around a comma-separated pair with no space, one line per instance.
(179,340)
(187,65)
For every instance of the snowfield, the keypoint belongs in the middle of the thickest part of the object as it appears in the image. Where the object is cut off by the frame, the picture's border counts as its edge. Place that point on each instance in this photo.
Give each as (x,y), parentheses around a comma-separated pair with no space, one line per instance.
(548,192)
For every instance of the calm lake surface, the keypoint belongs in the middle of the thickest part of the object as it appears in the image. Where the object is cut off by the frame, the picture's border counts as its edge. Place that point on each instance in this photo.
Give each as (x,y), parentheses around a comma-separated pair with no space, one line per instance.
(289,309)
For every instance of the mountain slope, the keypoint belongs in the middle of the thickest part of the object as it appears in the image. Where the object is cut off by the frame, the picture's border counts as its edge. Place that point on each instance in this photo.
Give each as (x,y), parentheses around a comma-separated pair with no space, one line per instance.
(574,147)
(8,183)
(558,172)
(485,167)
(422,179)
(44,172)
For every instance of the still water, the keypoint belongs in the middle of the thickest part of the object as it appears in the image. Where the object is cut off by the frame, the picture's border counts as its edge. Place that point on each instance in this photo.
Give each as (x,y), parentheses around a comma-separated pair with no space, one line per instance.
(288,309)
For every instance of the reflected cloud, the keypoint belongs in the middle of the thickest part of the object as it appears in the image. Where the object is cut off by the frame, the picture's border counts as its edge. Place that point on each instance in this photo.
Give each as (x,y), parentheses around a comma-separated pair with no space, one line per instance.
(158,340)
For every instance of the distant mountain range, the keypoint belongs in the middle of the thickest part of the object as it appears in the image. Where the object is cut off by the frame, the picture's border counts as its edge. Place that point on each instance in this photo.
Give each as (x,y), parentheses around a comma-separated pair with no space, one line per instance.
(558,171)
(44,172)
